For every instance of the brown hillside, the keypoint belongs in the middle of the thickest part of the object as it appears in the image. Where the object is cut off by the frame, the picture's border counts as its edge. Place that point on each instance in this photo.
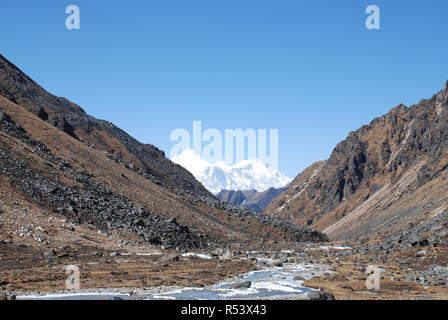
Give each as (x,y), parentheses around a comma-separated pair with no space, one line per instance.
(385,174)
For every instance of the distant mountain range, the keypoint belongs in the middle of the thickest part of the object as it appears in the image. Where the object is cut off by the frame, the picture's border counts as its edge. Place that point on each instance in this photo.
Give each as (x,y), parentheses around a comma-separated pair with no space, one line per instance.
(250,199)
(245,175)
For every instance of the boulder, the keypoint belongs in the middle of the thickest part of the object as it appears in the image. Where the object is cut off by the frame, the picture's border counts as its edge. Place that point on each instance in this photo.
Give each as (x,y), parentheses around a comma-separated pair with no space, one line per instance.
(50,253)
(170,258)
(242,285)
(320,295)
(421,253)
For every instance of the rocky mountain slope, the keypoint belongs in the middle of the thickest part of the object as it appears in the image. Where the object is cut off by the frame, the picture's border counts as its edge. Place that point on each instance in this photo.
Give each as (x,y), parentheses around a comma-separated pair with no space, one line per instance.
(105,136)
(250,199)
(387,178)
(63,164)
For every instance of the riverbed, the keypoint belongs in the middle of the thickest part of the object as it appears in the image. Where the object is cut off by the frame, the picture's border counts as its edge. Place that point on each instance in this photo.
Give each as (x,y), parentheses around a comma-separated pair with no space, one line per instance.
(273,280)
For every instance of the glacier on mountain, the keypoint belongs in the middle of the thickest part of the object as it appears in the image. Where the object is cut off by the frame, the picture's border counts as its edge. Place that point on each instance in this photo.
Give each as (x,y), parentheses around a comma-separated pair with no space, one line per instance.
(245,175)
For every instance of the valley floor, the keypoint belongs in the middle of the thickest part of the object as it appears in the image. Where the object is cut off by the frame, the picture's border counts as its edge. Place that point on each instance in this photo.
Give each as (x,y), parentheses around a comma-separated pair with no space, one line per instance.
(143,272)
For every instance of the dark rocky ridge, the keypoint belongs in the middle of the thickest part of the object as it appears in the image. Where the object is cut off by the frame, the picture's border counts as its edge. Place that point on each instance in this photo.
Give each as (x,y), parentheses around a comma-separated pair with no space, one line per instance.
(250,199)
(235,197)
(68,117)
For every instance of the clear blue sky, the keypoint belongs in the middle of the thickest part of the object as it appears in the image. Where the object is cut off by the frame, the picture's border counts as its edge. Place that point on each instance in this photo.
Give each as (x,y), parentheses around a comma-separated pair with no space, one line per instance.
(309,68)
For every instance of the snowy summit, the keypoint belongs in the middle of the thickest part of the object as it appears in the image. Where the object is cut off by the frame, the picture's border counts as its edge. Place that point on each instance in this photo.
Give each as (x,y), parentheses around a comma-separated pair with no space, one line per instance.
(245,175)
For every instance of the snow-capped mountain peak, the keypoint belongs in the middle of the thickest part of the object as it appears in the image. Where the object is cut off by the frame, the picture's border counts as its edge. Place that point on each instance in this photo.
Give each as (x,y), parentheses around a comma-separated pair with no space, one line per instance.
(245,175)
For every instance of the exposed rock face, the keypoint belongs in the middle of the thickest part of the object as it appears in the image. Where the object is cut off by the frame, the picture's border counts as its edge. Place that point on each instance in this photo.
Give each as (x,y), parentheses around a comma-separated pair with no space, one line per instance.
(377,165)
(66,162)
(250,199)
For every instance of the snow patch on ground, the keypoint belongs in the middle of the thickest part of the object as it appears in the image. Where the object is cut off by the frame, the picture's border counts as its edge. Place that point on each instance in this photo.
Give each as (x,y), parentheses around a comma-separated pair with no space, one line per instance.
(199,255)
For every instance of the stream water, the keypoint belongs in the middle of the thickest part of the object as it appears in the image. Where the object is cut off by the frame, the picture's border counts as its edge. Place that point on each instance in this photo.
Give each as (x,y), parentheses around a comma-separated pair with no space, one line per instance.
(273,282)
(267,283)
